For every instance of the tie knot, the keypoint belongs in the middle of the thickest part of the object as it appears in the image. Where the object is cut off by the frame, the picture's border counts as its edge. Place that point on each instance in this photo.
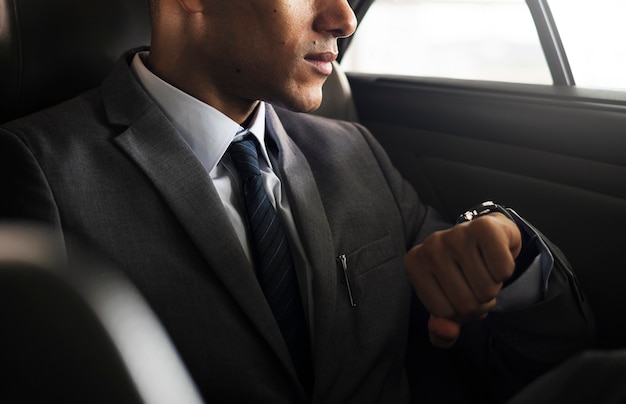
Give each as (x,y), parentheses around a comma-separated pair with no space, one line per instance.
(245,156)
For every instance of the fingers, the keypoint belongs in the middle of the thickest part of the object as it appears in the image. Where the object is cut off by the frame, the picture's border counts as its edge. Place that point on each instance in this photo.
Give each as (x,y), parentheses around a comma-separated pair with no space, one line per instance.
(464,278)
(458,273)
(449,282)
(496,239)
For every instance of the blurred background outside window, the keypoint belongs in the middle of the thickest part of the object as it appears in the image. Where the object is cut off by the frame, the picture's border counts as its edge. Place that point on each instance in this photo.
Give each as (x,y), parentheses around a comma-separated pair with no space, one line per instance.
(493,40)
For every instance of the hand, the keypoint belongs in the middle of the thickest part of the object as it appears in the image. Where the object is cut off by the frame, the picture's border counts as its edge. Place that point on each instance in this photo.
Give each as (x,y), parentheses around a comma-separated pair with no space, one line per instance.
(457,273)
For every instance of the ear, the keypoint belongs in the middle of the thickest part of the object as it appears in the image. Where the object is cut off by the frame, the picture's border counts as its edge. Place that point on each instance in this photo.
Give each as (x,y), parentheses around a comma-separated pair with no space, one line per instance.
(192,6)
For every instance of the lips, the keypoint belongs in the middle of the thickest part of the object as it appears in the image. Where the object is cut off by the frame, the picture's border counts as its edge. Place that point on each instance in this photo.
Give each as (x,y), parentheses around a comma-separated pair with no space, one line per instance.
(322,61)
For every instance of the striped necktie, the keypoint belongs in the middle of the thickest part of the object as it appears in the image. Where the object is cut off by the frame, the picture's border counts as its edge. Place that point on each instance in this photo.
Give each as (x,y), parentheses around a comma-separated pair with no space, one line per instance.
(274,263)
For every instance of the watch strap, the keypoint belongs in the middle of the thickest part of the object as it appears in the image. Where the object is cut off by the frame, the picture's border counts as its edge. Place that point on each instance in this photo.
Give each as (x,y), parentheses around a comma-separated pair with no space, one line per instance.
(482,209)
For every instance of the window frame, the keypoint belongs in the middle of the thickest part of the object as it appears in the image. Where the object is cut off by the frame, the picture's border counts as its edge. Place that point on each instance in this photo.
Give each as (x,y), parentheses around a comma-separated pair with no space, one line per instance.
(548,33)
(551,43)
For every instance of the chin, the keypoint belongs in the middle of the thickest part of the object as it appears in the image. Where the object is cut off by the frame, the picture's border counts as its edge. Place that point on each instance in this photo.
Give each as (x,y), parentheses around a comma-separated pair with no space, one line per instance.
(299,98)
(308,108)
(301,102)
(296,107)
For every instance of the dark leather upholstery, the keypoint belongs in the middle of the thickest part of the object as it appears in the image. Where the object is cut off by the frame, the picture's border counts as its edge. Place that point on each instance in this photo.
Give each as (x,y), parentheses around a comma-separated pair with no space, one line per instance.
(52,50)
(77,331)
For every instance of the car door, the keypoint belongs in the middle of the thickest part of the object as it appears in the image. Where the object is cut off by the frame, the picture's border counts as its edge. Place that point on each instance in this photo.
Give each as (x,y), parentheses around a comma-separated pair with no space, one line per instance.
(553,150)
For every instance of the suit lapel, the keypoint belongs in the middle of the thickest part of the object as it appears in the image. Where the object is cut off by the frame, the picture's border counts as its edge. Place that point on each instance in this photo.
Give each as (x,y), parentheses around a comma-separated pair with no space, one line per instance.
(154,145)
(313,228)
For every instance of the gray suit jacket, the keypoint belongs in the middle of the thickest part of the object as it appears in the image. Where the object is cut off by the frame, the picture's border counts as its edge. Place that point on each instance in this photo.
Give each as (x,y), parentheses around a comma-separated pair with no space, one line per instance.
(109,168)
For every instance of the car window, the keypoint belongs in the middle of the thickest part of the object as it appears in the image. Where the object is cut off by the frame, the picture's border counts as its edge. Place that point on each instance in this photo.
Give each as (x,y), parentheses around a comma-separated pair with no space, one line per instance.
(466,39)
(592,34)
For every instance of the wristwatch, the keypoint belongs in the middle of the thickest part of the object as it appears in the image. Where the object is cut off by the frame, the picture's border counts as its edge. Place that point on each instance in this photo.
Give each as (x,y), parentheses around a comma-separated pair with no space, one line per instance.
(482,209)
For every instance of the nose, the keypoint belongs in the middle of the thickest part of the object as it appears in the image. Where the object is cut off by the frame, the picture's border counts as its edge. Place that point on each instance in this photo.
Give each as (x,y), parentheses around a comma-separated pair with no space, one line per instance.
(335,17)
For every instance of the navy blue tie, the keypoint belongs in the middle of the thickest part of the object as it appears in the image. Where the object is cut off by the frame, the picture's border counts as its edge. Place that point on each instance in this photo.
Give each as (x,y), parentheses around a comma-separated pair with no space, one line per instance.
(274,264)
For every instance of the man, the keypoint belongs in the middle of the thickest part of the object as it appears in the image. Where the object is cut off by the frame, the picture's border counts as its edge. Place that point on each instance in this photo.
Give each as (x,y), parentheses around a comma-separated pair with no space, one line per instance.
(145,169)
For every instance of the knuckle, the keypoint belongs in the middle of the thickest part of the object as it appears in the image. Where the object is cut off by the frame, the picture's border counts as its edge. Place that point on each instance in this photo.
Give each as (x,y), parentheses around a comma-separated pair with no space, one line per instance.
(435,240)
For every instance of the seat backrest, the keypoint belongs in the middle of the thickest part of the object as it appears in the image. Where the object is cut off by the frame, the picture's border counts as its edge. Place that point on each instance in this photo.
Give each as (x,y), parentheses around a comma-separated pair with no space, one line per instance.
(77,331)
(53,50)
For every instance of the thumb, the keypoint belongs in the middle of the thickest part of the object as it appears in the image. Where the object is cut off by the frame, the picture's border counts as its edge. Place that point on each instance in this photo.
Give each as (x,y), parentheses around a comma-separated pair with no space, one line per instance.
(443,332)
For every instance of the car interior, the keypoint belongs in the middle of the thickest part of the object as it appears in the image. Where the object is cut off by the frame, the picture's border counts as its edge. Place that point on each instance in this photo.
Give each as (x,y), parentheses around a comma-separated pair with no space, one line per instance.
(553,153)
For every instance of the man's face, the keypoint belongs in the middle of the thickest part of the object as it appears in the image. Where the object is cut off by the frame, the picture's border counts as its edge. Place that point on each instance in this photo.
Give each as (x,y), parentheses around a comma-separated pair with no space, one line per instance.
(273,50)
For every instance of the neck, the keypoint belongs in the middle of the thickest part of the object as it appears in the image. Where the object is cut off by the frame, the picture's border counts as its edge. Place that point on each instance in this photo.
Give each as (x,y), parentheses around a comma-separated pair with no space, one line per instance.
(237,109)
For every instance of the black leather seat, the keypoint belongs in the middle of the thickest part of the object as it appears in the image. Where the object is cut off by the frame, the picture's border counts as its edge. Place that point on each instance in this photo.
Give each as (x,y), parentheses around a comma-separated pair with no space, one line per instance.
(53,50)
(76,331)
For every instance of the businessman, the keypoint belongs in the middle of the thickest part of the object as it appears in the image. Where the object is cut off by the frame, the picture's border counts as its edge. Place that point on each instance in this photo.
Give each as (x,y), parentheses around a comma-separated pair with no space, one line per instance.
(284,254)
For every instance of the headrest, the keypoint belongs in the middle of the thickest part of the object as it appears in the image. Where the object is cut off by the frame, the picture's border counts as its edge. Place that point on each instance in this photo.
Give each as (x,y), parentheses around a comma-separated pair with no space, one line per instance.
(53,50)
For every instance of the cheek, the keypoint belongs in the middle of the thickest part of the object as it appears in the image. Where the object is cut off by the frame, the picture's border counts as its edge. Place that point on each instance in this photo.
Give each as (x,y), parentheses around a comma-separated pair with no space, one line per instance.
(301,90)
(281,59)
(276,70)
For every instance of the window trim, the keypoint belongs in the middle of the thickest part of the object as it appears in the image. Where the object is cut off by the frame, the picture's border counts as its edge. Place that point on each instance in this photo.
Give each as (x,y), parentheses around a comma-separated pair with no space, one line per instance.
(550,40)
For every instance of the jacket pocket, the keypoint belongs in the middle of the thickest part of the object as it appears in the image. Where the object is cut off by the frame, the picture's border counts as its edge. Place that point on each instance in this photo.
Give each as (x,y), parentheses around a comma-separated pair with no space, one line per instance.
(371,269)
(371,256)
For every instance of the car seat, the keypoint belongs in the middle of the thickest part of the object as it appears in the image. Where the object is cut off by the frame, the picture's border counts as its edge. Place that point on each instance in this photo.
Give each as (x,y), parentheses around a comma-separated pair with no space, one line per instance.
(77,331)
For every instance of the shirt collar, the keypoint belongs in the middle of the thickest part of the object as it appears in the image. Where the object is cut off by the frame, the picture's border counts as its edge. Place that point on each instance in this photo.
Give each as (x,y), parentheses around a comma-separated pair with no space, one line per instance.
(205,129)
